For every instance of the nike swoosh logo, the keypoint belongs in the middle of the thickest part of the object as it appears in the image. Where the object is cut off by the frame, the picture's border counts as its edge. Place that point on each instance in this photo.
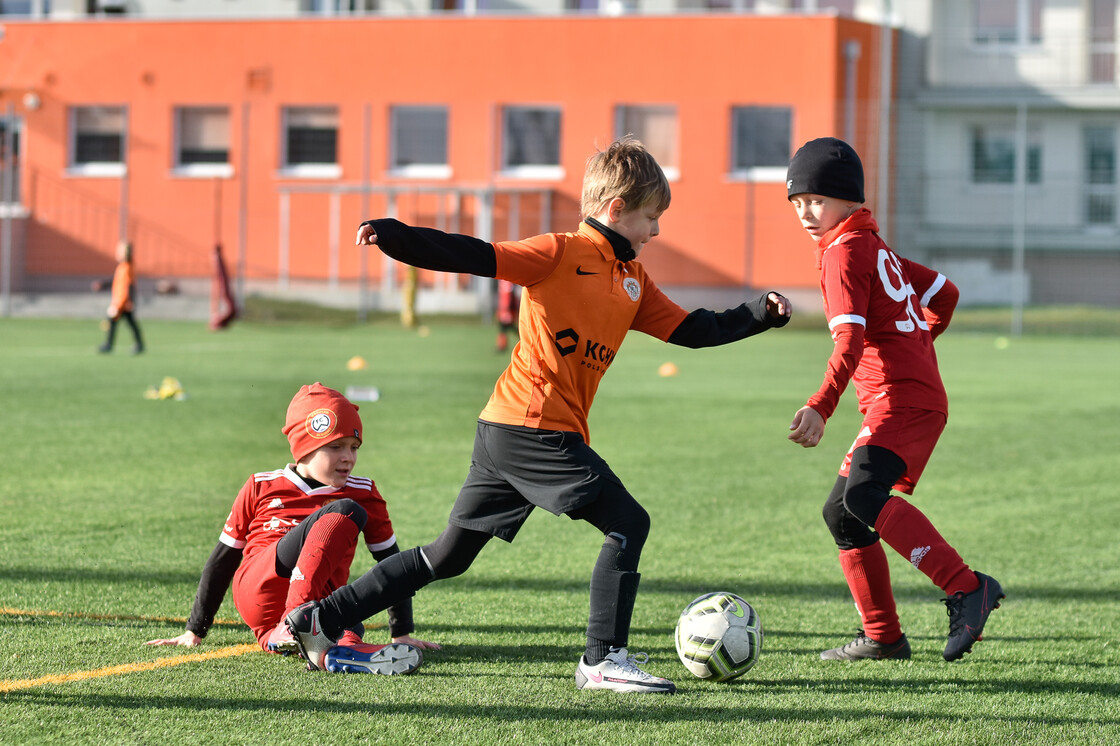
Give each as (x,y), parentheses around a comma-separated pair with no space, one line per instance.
(736,609)
(596,677)
(580,271)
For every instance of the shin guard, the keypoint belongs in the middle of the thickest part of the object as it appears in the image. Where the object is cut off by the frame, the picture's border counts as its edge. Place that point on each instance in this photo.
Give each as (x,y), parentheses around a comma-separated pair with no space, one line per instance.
(613,593)
(386,584)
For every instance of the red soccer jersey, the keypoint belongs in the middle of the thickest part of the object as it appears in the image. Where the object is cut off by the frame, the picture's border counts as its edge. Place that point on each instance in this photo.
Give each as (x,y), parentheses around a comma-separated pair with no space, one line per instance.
(893,301)
(271,503)
(579,302)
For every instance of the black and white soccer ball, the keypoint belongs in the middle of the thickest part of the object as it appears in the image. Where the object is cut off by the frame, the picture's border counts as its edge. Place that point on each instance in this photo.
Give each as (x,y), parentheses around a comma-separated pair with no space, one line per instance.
(719,636)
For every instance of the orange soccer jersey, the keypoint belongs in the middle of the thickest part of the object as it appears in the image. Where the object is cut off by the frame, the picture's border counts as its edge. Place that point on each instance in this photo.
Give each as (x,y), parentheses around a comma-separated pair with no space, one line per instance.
(122,287)
(579,302)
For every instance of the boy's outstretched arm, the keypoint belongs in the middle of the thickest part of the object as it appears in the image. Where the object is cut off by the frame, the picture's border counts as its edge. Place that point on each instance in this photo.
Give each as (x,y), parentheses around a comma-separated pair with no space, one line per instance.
(704,328)
(807,427)
(428,248)
(212,586)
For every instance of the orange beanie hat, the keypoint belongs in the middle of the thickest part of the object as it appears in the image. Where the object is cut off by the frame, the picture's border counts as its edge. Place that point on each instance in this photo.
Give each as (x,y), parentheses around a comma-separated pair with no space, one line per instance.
(317,416)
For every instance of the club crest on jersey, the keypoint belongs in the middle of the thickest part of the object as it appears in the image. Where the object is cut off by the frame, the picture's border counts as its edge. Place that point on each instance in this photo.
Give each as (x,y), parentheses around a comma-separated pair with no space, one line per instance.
(321,423)
(633,288)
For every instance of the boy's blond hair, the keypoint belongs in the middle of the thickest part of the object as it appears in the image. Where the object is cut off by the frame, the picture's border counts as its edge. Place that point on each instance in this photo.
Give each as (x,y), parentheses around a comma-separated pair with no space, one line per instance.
(627,170)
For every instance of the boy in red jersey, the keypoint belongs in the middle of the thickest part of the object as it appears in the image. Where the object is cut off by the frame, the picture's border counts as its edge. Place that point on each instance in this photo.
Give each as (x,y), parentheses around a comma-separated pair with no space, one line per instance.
(583,291)
(884,312)
(291,537)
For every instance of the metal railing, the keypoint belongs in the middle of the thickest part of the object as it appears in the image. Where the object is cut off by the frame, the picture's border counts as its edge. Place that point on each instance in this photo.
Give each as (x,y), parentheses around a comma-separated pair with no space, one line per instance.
(486,212)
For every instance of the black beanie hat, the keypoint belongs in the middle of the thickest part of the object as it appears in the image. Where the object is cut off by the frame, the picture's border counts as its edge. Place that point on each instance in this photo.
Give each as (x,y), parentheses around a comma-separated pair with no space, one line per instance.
(828,167)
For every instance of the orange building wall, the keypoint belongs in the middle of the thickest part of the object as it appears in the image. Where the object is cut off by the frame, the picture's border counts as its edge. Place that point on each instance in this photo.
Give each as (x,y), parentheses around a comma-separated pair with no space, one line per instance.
(717,233)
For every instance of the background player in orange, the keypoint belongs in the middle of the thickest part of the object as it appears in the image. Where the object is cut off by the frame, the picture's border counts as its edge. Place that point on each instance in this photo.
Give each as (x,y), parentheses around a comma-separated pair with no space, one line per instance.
(121,303)
(583,291)
(291,537)
(884,312)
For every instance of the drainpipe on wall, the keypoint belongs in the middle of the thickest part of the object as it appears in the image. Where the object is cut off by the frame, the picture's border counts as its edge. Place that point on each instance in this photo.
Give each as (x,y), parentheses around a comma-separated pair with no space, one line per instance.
(243,209)
(7,166)
(886,93)
(851,67)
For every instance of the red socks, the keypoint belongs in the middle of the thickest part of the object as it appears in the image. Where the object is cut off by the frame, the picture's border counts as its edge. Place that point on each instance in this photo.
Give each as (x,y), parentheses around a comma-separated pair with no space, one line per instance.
(907,530)
(329,545)
(869,579)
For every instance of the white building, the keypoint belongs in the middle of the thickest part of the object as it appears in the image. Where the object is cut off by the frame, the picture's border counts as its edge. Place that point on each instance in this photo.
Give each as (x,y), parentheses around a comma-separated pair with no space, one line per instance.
(1007,121)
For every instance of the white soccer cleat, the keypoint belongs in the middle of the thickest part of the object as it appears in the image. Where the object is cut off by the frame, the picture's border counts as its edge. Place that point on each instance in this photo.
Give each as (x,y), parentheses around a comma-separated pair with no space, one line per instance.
(386,660)
(619,672)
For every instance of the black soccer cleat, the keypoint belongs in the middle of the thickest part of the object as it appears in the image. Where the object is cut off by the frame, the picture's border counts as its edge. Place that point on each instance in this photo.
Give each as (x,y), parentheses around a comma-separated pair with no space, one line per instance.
(968,613)
(863,647)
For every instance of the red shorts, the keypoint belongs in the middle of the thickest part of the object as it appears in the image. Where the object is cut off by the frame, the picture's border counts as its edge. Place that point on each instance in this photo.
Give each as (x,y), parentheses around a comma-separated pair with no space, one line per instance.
(908,433)
(259,593)
(261,596)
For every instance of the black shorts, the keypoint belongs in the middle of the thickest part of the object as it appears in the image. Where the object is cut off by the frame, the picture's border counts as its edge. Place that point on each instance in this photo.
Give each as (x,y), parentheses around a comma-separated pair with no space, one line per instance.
(514,469)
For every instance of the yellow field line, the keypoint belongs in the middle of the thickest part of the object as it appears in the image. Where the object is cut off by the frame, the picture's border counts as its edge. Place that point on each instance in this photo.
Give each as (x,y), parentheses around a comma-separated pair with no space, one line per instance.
(13,685)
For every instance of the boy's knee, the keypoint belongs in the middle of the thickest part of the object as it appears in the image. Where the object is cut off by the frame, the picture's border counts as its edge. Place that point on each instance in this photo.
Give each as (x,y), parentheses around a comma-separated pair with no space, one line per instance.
(833,514)
(865,501)
(350,509)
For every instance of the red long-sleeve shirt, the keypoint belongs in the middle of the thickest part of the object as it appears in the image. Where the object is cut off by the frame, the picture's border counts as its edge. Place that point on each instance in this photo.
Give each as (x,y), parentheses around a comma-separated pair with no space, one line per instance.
(884,312)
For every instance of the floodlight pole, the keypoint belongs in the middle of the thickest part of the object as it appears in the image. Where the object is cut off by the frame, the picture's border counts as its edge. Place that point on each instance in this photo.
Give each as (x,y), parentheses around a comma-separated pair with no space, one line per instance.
(1018,223)
(122,216)
(363,250)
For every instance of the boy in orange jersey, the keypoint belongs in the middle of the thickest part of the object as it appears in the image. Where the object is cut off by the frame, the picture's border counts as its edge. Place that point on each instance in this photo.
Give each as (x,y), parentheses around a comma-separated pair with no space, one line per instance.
(291,536)
(583,292)
(884,312)
(120,303)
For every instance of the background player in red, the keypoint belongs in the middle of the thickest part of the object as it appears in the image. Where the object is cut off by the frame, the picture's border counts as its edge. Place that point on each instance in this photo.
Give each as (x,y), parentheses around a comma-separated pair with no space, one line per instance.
(884,312)
(583,291)
(291,537)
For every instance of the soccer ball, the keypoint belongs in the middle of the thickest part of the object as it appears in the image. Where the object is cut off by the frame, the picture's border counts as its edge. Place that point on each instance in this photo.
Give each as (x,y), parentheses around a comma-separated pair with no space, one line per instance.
(719,636)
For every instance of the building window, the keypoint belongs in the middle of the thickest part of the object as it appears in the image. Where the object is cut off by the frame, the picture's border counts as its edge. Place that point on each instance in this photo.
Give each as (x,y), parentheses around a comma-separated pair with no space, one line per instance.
(17,8)
(760,144)
(1102,41)
(839,7)
(98,134)
(9,161)
(1100,175)
(311,141)
(418,141)
(581,6)
(993,155)
(657,128)
(1008,21)
(202,141)
(531,142)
